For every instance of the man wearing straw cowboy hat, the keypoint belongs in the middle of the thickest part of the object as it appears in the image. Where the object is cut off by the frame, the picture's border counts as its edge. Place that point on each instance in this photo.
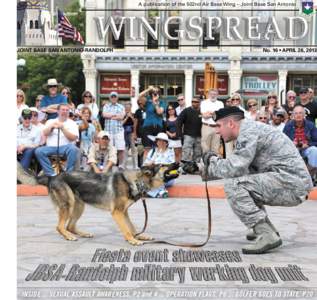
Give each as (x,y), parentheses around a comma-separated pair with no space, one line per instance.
(50,102)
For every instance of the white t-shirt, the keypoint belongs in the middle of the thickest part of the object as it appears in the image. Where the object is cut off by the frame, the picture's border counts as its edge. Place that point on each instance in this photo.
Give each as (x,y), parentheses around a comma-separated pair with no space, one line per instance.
(208,105)
(52,139)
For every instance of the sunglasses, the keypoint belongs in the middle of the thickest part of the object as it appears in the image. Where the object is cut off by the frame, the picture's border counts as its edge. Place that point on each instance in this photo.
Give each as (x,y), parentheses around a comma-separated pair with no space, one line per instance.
(195,101)
(291,97)
(235,99)
(302,93)
(27,117)
(170,109)
(52,86)
(180,99)
(274,97)
(251,105)
(105,138)
(89,96)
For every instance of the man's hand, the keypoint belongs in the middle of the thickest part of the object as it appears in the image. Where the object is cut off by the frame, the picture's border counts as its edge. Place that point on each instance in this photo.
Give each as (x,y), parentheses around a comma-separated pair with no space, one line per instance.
(206,157)
(20,149)
(57,124)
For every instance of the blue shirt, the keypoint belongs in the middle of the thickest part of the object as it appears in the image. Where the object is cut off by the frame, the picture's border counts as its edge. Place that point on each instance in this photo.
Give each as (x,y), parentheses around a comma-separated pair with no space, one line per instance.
(86,136)
(113,126)
(152,118)
(48,100)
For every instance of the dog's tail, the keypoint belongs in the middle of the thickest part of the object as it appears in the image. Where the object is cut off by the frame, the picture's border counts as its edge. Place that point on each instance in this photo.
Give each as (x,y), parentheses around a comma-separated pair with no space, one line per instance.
(25,177)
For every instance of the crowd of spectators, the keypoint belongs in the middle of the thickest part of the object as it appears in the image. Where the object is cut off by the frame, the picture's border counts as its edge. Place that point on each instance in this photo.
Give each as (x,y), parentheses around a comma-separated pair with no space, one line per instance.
(88,137)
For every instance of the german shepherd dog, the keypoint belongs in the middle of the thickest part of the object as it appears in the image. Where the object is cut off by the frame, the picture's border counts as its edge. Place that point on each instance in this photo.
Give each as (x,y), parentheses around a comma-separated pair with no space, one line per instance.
(114,192)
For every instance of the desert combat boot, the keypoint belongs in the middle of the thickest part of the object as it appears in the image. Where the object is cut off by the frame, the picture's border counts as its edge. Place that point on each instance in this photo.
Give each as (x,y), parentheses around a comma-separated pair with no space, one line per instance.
(251,235)
(267,239)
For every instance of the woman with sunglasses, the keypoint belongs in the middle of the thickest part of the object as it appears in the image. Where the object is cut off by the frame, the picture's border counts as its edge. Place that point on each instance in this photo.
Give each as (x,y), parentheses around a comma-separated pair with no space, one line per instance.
(271,104)
(236,100)
(263,116)
(86,99)
(252,105)
(66,91)
(86,136)
(171,131)
(290,103)
(20,104)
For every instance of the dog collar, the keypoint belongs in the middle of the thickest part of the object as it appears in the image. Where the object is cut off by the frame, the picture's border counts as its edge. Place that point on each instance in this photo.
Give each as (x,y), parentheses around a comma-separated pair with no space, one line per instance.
(142,188)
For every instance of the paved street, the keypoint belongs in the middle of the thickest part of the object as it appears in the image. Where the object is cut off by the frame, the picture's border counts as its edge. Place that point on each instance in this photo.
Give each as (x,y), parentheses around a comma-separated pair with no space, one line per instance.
(179,220)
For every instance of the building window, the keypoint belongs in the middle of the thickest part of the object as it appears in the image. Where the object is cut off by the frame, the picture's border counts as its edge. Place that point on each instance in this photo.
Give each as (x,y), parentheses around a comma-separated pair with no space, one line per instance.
(173,27)
(296,82)
(151,42)
(264,16)
(210,43)
(36,24)
(31,24)
(118,44)
(170,85)
(19,26)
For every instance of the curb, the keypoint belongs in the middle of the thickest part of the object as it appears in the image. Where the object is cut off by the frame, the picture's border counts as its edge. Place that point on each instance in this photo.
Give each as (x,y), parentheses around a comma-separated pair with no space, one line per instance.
(177,191)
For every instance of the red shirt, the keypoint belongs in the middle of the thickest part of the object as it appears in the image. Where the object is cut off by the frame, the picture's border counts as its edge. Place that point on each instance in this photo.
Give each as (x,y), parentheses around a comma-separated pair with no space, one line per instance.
(300,136)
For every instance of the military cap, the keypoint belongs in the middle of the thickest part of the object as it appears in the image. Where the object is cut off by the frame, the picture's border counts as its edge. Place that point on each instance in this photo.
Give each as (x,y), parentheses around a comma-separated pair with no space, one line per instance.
(228,111)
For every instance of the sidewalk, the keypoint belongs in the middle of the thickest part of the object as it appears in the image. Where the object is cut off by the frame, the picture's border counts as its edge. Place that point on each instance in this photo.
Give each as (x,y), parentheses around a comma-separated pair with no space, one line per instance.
(186,186)
(175,221)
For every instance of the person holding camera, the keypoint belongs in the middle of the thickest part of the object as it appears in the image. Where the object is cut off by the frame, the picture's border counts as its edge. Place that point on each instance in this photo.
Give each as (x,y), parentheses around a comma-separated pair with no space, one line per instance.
(153,123)
(303,133)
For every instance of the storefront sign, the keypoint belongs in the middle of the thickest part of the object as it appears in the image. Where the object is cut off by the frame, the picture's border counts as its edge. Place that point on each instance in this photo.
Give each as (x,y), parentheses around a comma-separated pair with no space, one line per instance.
(256,83)
(118,83)
(222,84)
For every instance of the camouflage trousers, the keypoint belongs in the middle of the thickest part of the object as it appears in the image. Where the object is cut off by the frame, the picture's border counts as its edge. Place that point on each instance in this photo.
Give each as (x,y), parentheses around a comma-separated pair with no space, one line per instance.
(248,194)
(191,148)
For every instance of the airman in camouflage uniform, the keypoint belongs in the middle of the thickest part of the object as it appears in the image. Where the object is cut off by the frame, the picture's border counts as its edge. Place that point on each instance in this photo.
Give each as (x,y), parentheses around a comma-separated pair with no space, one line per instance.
(264,169)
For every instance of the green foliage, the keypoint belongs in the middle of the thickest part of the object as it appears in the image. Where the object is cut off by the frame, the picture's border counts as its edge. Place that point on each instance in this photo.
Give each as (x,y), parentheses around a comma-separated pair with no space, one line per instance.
(77,18)
(67,69)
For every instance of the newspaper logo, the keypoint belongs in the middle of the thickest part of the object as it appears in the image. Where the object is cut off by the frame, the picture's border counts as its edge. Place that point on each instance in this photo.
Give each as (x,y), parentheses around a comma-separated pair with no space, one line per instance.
(307,7)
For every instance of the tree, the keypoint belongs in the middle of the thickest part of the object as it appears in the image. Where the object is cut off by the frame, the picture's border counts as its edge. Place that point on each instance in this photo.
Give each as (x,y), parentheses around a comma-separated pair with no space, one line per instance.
(77,18)
(67,69)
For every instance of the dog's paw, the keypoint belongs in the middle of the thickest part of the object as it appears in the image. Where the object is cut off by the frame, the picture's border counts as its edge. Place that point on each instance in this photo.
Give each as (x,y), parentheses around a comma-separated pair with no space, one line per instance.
(70,237)
(86,235)
(135,242)
(81,233)
(144,237)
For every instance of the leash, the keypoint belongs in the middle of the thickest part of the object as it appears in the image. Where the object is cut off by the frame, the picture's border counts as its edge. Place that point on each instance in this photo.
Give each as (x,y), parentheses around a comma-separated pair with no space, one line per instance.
(58,162)
(180,244)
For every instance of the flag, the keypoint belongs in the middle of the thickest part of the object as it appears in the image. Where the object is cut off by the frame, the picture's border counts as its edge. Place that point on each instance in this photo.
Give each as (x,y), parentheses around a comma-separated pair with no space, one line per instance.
(67,30)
